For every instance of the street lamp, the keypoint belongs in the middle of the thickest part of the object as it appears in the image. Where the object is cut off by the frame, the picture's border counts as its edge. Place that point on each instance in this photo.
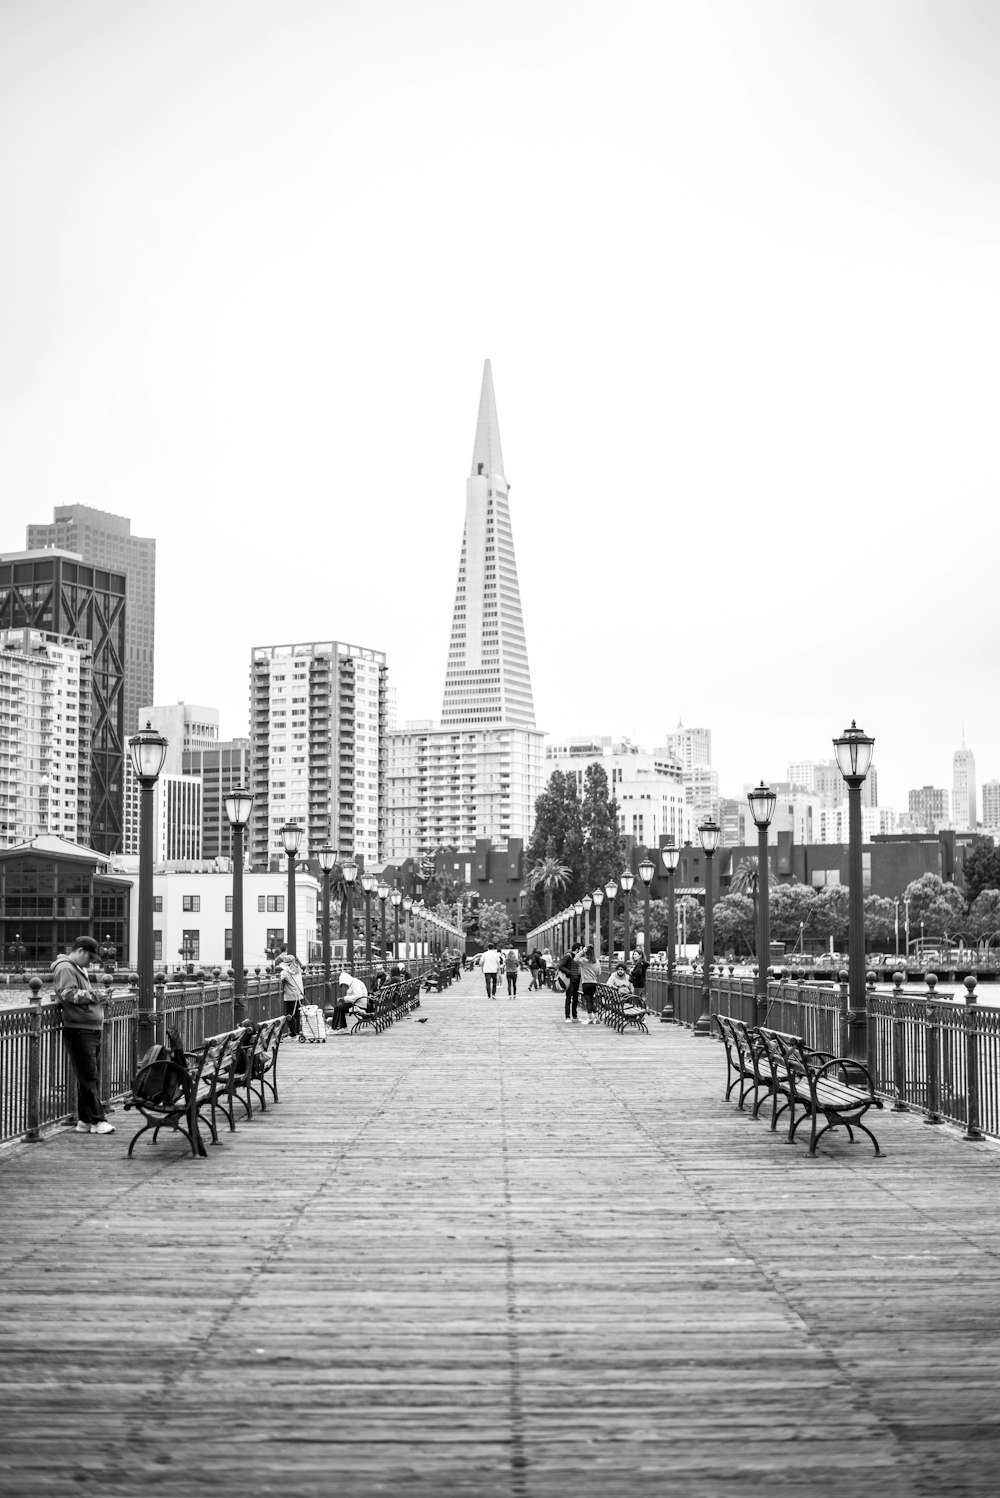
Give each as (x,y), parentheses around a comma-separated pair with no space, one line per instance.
(408,928)
(397,899)
(611,890)
(854,756)
(349,870)
(671,858)
(291,836)
(895,905)
(369,883)
(646,871)
(147,751)
(598,899)
(578,912)
(588,904)
(762,803)
(327,862)
(382,890)
(627,881)
(239,804)
(709,832)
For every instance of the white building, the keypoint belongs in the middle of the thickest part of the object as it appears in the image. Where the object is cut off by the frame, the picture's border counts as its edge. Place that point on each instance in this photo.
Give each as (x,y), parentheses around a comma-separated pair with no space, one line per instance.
(477,774)
(963,790)
(648,789)
(45,736)
(689,746)
(991,805)
(318,748)
(193,917)
(831,824)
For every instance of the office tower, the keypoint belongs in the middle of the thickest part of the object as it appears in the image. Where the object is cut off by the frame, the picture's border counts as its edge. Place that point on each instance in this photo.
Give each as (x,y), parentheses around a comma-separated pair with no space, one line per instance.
(928,808)
(185,727)
(963,793)
(222,768)
(45,704)
(648,789)
(690,746)
(317,748)
(177,811)
(476,775)
(59,594)
(104,540)
(487,679)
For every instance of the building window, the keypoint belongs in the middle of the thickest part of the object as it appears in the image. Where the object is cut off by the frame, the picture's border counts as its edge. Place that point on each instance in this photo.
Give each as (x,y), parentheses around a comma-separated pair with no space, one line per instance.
(275,904)
(191,903)
(157,904)
(261,904)
(228,944)
(229,904)
(157,946)
(191,946)
(275,937)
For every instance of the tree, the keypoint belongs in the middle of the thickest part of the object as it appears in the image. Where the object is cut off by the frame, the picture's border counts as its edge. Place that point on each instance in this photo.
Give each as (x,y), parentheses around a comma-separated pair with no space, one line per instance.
(547,876)
(791,907)
(984,915)
(880,920)
(982,870)
(733,922)
(938,906)
(690,919)
(557,835)
(746,881)
(600,830)
(494,924)
(830,915)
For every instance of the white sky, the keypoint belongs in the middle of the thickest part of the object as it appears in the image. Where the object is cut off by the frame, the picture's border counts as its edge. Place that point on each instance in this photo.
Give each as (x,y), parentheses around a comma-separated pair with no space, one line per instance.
(735,266)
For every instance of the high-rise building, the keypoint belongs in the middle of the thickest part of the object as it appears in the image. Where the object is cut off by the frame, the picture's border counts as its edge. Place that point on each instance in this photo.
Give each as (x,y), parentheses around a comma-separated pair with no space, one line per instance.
(991,805)
(58,593)
(317,748)
(963,792)
(647,789)
(689,746)
(105,540)
(222,768)
(45,696)
(178,807)
(185,727)
(477,774)
(928,808)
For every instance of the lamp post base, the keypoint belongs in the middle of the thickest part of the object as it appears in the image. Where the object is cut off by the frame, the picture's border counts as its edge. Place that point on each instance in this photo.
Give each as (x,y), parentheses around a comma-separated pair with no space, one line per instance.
(702,1025)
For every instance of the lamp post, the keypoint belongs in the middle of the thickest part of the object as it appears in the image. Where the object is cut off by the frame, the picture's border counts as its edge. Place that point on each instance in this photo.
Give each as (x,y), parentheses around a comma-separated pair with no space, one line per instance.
(709,832)
(291,837)
(382,890)
(611,890)
(762,803)
(627,881)
(598,898)
(147,751)
(408,928)
(349,870)
(397,899)
(588,904)
(854,756)
(578,912)
(239,804)
(646,871)
(895,904)
(369,883)
(671,858)
(327,862)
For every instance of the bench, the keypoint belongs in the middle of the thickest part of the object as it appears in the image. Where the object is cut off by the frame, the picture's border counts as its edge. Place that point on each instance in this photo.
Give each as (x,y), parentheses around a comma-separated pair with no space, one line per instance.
(622,1011)
(386,1006)
(256,1071)
(183,1088)
(830,1091)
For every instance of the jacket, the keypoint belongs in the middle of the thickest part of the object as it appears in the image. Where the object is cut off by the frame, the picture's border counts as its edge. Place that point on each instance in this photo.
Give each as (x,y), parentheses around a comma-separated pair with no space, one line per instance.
(81,1007)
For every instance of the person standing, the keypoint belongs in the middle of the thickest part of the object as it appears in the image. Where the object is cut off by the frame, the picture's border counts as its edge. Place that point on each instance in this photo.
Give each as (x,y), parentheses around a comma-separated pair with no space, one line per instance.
(83,1027)
(536,967)
(638,976)
(491,970)
(512,963)
(569,965)
(590,976)
(292,990)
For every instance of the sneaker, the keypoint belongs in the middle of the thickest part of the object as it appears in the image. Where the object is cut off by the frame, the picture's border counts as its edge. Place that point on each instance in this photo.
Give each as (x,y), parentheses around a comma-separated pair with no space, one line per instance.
(568,1020)
(82,1128)
(102,1128)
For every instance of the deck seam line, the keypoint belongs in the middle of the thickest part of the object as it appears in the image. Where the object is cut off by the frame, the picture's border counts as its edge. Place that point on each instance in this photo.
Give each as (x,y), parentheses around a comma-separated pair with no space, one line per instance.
(518,1456)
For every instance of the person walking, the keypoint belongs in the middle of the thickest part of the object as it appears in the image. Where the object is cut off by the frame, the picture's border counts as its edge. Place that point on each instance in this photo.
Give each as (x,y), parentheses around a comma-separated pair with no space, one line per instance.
(536,968)
(83,1027)
(293,990)
(590,976)
(491,970)
(512,964)
(569,966)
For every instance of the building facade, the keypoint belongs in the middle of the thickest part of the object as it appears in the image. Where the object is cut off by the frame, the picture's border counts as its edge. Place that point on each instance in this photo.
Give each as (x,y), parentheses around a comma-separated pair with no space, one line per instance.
(52,892)
(224,767)
(106,541)
(648,789)
(57,593)
(318,748)
(928,808)
(963,790)
(991,805)
(45,705)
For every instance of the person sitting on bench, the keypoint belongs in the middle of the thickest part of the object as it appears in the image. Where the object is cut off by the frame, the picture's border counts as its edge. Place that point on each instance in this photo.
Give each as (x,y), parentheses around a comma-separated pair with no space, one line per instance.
(352,992)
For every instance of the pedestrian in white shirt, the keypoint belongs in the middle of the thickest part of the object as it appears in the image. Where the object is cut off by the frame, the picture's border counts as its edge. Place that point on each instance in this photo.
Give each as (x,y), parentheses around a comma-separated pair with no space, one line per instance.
(491,970)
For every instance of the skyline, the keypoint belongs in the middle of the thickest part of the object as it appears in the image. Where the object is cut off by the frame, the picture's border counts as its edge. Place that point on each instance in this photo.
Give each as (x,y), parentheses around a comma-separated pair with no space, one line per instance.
(734,269)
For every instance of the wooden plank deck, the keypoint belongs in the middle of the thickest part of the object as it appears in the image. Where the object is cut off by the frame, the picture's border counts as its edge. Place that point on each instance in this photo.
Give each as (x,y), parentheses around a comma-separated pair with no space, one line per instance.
(494,1254)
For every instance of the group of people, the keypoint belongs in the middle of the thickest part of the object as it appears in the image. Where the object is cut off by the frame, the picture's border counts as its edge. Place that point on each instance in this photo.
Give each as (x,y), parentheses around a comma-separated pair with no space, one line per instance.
(495,961)
(352,992)
(579,974)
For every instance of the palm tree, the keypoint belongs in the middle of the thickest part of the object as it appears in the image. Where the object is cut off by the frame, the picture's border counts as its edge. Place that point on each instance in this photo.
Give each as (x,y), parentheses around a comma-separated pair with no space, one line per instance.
(746,881)
(549,875)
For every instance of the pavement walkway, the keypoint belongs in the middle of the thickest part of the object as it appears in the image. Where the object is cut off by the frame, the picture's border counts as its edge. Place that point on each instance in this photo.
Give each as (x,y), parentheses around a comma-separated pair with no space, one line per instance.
(496,1254)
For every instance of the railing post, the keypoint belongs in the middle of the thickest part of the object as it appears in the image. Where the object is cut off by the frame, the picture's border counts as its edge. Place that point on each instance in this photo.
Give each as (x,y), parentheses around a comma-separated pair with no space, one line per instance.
(845,1013)
(898,1047)
(972,1129)
(34,1134)
(932,1055)
(103,1090)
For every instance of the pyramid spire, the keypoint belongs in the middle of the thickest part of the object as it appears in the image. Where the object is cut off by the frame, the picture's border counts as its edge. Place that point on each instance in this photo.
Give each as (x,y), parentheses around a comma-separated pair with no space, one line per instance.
(486,449)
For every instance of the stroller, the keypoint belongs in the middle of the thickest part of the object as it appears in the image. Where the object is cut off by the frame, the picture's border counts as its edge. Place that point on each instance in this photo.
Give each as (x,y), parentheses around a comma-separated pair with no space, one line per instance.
(312,1024)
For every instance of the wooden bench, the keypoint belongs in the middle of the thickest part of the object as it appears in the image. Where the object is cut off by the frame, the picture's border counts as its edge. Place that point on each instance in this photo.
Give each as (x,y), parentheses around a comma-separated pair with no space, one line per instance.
(747,1065)
(828,1090)
(620,1010)
(383,1008)
(182,1089)
(256,1071)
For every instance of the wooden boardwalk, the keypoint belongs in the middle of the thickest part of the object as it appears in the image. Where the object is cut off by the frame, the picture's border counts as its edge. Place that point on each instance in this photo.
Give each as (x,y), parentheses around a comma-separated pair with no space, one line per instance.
(495,1254)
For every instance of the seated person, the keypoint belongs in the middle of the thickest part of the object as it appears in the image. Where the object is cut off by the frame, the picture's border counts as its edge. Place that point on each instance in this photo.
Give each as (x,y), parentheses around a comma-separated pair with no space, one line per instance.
(619,980)
(353,993)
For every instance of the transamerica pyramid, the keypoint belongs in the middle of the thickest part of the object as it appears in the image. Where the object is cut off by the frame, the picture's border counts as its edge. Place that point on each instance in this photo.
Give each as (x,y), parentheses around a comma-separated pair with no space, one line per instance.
(487,681)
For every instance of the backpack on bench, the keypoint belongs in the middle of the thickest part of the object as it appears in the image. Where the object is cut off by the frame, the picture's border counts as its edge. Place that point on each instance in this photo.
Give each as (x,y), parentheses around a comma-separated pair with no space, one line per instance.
(161,1073)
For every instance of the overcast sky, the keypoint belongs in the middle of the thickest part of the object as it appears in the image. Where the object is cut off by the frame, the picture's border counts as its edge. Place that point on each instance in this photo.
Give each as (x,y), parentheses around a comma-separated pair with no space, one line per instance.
(735,266)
